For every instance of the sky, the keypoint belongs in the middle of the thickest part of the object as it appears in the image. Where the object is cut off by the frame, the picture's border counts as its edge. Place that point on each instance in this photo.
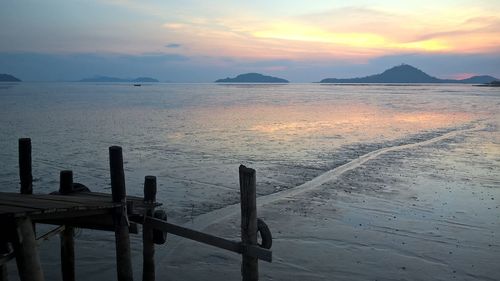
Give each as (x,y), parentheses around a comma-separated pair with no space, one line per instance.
(201,41)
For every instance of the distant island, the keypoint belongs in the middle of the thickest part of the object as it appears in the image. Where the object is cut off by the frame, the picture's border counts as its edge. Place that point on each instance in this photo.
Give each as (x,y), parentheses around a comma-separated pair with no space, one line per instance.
(99,78)
(8,78)
(495,83)
(252,78)
(405,73)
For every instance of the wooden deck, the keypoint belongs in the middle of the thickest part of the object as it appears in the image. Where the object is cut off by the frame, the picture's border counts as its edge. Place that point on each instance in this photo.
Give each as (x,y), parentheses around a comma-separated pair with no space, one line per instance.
(73,205)
(47,206)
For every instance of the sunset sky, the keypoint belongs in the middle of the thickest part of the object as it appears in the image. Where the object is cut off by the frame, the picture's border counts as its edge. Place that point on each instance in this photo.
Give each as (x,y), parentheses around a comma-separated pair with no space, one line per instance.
(200,41)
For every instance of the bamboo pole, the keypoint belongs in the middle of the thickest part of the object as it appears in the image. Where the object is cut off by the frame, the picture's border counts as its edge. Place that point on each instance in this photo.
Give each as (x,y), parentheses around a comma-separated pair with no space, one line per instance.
(148,247)
(67,235)
(249,265)
(118,193)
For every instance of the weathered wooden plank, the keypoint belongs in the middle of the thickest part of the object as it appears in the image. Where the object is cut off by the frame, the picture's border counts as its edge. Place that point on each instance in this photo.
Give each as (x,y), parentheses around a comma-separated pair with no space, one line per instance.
(6,210)
(251,250)
(102,221)
(59,216)
(38,204)
(58,198)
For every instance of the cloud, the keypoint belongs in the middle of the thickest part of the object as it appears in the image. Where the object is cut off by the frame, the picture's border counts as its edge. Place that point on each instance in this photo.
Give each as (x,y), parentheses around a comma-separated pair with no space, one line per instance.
(173,45)
(155,57)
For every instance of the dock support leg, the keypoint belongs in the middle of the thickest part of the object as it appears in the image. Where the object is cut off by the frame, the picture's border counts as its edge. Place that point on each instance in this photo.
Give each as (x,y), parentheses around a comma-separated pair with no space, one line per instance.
(122,239)
(249,265)
(4,249)
(68,254)
(67,235)
(148,246)
(25,175)
(3,273)
(27,259)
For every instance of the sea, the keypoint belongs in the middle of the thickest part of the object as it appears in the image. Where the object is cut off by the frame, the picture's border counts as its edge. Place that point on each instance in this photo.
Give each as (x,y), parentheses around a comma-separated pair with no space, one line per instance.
(193,137)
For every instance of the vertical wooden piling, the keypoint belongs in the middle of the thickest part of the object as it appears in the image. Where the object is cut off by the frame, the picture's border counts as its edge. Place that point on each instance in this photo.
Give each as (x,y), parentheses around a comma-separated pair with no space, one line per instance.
(66,182)
(118,193)
(148,247)
(249,265)
(4,249)
(25,249)
(3,273)
(25,175)
(67,235)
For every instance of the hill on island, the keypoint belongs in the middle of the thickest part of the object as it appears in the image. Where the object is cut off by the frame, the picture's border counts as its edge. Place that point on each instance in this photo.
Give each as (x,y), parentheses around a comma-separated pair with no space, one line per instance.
(252,78)
(8,78)
(405,73)
(99,78)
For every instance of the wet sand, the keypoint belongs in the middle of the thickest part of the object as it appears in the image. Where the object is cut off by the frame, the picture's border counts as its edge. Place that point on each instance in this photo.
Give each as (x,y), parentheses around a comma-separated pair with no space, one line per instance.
(427,210)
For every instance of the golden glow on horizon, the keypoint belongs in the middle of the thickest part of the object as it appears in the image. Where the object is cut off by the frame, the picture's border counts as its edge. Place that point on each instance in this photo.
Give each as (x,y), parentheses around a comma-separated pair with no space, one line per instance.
(290,31)
(298,32)
(351,33)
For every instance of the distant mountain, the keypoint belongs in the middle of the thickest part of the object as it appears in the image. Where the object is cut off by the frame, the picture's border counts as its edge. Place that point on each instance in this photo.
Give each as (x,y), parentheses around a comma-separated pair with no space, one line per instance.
(8,78)
(145,80)
(99,78)
(477,79)
(405,73)
(252,78)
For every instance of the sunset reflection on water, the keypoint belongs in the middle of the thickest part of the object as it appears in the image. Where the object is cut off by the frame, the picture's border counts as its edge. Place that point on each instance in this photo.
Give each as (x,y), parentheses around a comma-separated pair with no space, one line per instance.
(298,121)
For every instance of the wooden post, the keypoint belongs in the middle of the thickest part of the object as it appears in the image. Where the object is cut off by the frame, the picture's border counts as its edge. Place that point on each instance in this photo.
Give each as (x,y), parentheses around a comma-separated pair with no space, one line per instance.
(122,239)
(66,182)
(67,235)
(3,273)
(4,250)
(25,166)
(148,246)
(27,259)
(249,265)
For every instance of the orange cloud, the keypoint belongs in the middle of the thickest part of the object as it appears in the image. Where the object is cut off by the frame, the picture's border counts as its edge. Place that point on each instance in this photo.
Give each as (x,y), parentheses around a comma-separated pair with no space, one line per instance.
(342,33)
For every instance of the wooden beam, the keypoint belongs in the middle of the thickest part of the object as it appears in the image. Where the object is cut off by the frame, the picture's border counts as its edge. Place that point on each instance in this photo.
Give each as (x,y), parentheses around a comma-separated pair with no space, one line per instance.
(249,264)
(118,193)
(49,234)
(250,250)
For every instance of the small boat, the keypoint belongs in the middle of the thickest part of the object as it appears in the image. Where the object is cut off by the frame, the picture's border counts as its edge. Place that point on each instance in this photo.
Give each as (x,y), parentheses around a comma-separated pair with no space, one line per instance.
(137,85)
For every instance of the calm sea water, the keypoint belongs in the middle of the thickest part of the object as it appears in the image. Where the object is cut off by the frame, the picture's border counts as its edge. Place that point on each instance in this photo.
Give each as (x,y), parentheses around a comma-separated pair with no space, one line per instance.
(194,136)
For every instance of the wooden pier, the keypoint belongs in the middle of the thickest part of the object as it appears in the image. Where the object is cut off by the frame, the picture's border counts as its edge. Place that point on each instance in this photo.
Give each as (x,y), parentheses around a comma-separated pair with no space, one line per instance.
(74,206)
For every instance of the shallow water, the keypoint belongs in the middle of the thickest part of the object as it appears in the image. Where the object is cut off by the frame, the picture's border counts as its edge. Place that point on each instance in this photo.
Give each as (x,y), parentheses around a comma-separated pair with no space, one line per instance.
(194,136)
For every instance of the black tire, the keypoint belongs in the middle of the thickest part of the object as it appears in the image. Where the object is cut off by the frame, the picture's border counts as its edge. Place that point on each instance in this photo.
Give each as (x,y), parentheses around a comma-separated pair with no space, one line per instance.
(159,237)
(265,234)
